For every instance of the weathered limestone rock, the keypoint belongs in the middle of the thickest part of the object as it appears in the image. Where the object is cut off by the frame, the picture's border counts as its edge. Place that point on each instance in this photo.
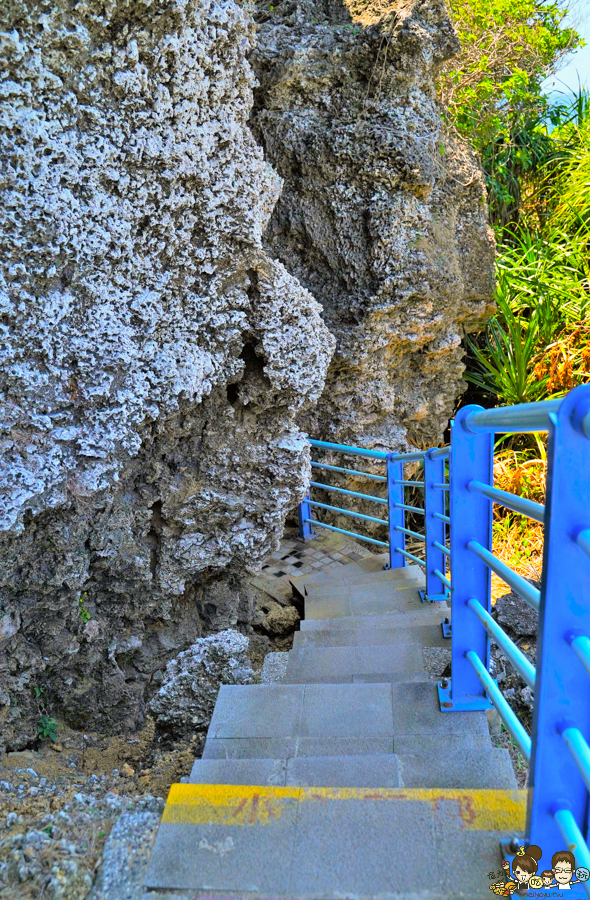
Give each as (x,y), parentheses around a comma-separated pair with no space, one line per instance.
(153,357)
(382,214)
(189,690)
(280,619)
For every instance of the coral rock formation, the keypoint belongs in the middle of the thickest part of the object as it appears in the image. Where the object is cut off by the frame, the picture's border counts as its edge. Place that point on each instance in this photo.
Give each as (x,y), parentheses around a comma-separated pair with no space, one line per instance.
(189,689)
(382,214)
(154,357)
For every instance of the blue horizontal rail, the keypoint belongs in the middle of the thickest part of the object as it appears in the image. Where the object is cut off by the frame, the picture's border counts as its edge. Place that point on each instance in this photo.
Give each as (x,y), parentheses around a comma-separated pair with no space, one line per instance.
(442,549)
(440,453)
(410,483)
(516,582)
(316,465)
(497,698)
(414,509)
(580,751)
(442,518)
(350,451)
(581,646)
(522,665)
(442,487)
(361,537)
(337,490)
(512,501)
(583,540)
(414,534)
(410,556)
(573,838)
(368,454)
(524,417)
(348,512)
(442,578)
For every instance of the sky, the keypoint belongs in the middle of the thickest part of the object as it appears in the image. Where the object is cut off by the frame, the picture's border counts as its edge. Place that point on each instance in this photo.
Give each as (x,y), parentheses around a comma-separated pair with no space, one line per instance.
(577,66)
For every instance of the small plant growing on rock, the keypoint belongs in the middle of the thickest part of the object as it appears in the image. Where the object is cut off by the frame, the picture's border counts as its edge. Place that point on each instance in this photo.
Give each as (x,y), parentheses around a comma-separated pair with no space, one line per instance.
(83,611)
(47,728)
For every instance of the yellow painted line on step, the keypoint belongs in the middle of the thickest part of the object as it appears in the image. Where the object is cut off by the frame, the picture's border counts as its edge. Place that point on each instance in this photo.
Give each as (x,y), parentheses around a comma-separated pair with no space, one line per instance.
(228,804)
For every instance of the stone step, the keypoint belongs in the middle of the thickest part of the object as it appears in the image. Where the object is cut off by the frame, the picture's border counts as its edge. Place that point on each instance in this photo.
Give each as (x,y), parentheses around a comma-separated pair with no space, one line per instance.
(357,574)
(307,843)
(326,771)
(284,720)
(361,600)
(477,768)
(364,633)
(324,665)
(428,613)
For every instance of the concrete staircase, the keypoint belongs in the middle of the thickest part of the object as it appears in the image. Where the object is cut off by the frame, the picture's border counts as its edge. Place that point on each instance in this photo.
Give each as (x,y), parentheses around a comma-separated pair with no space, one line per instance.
(346,781)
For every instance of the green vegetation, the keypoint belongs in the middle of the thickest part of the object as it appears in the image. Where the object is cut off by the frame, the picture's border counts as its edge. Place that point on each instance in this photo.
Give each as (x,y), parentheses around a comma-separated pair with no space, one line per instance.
(47,728)
(536,157)
(83,612)
(492,91)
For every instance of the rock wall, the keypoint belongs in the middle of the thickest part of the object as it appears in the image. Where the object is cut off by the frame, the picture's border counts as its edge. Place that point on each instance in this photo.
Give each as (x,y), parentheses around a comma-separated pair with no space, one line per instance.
(382,214)
(153,357)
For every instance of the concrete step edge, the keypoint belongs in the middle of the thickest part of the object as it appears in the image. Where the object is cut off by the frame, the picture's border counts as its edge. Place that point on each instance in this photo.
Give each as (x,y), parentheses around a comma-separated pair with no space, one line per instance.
(235,805)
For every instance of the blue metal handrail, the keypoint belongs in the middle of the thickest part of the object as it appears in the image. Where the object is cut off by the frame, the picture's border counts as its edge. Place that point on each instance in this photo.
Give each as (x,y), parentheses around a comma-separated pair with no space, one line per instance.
(411,556)
(316,465)
(336,490)
(509,718)
(395,500)
(504,498)
(516,582)
(414,534)
(523,666)
(347,512)
(583,539)
(360,537)
(578,747)
(412,509)
(523,418)
(559,783)
(349,451)
(581,645)
(440,453)
(459,509)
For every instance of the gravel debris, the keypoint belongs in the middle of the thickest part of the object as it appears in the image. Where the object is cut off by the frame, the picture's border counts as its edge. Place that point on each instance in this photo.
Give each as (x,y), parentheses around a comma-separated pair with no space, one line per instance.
(275,667)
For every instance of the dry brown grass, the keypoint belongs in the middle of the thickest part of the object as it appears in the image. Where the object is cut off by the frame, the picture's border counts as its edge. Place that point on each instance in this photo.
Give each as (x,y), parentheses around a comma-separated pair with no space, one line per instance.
(368,13)
(517,540)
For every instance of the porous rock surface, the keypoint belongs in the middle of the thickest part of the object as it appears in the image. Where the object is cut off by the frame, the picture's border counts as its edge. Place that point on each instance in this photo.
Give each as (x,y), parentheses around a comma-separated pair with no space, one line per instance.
(153,356)
(185,701)
(382,213)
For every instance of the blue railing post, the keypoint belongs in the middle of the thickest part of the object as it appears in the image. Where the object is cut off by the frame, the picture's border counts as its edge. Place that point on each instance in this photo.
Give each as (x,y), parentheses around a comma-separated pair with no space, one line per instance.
(395,497)
(562,688)
(472,458)
(434,507)
(304,512)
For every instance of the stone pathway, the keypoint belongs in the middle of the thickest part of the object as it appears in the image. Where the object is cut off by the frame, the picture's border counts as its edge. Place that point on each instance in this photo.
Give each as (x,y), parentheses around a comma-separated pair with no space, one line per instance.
(346,780)
(326,552)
